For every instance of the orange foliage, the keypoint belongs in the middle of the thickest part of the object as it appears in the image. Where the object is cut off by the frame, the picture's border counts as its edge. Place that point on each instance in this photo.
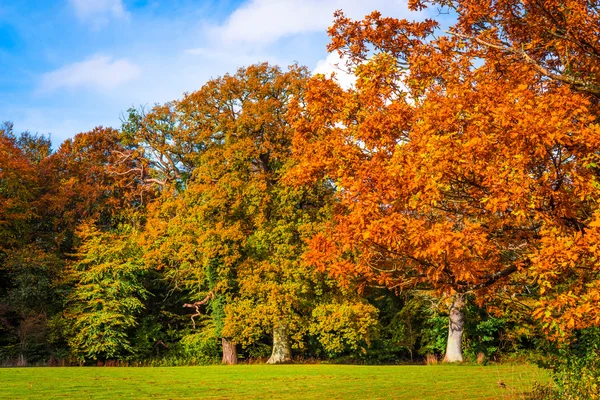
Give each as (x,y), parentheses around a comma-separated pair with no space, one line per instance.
(461,161)
(19,188)
(91,180)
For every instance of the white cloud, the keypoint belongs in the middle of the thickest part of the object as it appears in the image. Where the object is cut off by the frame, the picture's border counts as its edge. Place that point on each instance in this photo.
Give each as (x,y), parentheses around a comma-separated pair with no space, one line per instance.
(232,57)
(99,11)
(98,72)
(336,65)
(263,22)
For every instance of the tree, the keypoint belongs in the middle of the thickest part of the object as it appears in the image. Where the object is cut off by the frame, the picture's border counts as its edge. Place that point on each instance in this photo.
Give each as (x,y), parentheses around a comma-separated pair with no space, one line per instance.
(558,39)
(28,265)
(91,182)
(233,232)
(107,294)
(455,167)
(238,140)
(559,42)
(19,187)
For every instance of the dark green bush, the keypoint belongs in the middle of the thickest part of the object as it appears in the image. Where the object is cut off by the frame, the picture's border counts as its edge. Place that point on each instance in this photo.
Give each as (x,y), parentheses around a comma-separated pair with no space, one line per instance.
(575,368)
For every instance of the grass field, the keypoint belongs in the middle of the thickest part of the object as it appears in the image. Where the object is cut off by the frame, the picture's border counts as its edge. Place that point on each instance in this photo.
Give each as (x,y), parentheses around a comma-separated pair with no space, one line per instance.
(272,382)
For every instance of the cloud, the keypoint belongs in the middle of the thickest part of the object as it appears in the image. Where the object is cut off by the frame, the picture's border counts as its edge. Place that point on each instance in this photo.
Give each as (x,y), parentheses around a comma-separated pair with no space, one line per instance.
(334,64)
(263,22)
(233,58)
(98,72)
(99,11)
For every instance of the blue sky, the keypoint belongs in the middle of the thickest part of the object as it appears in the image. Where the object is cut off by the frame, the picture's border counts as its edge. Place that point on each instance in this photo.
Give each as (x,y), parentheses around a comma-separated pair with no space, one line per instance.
(70,65)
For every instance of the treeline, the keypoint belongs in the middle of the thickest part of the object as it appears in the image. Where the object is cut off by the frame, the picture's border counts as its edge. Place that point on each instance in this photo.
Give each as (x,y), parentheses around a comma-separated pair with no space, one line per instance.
(112,242)
(446,204)
(182,238)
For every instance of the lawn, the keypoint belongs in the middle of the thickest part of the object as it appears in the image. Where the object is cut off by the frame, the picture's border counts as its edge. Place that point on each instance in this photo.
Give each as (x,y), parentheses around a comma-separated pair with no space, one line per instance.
(323,381)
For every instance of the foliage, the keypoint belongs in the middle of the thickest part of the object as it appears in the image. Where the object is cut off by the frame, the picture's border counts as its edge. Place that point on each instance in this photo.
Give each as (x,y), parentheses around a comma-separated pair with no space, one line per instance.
(90,183)
(28,268)
(422,145)
(235,230)
(343,326)
(576,368)
(30,297)
(201,347)
(19,192)
(460,165)
(107,294)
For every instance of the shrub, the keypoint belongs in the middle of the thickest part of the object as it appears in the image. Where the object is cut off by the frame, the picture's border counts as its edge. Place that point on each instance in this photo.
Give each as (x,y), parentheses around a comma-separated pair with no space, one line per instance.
(576,369)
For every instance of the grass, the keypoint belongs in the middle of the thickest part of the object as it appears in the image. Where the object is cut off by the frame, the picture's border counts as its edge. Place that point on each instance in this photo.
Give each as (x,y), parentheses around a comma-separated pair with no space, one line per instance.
(324,381)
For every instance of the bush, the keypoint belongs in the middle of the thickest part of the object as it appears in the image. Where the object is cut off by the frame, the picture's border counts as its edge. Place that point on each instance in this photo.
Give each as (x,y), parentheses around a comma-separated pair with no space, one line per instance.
(344,326)
(200,348)
(576,369)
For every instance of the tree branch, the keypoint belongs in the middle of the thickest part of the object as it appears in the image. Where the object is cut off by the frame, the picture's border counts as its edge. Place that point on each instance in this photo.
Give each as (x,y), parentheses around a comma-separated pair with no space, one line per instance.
(576,83)
(197,305)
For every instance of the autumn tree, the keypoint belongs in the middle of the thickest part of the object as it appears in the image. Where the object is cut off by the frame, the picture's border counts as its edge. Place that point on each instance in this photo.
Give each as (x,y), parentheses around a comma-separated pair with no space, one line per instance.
(234,232)
(458,167)
(91,182)
(93,207)
(239,141)
(19,187)
(560,43)
(28,264)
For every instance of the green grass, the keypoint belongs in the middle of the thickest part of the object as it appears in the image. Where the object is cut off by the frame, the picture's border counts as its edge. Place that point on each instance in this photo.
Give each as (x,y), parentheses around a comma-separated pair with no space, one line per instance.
(323,381)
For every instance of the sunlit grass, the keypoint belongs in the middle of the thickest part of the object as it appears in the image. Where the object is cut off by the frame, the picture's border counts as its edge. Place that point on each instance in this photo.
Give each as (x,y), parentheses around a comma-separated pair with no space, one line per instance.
(272,381)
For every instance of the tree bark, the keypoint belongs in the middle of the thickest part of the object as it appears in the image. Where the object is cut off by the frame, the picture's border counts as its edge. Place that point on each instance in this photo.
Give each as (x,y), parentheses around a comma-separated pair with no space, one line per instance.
(455,329)
(229,352)
(282,350)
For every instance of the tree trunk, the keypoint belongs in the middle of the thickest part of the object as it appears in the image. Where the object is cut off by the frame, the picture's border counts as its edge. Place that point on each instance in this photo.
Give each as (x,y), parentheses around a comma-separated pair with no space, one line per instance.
(455,329)
(229,352)
(282,351)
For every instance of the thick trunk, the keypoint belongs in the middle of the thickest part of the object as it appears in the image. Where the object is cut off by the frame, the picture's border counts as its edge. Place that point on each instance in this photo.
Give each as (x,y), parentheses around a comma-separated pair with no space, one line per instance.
(455,330)
(282,351)
(229,352)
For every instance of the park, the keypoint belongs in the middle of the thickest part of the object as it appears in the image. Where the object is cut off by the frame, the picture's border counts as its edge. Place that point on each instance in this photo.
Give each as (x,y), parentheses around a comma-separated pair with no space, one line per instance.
(284,199)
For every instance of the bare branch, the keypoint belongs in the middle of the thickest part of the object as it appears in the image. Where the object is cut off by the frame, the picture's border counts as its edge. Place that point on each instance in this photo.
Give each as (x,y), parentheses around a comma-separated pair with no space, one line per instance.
(196,305)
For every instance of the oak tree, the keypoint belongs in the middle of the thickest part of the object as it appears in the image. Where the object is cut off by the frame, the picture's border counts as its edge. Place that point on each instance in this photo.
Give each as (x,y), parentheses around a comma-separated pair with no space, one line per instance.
(458,166)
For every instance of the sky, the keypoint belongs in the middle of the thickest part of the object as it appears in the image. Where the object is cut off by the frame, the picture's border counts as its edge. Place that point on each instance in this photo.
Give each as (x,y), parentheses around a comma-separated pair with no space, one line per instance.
(67,66)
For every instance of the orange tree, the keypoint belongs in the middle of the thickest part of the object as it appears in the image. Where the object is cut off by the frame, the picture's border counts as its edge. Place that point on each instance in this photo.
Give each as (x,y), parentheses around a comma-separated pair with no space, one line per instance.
(91,182)
(459,165)
(19,188)
(27,262)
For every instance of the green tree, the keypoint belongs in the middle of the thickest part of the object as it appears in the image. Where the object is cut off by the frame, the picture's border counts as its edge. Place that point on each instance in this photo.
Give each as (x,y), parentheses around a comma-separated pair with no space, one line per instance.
(107,295)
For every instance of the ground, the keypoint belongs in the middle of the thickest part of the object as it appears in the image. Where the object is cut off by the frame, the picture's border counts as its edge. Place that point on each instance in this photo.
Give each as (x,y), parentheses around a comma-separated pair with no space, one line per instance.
(324,381)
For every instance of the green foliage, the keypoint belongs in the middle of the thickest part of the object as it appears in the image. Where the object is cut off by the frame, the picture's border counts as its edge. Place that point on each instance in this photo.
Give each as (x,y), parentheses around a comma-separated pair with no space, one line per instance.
(148,338)
(434,335)
(179,347)
(343,326)
(29,299)
(483,336)
(576,368)
(107,294)
(401,325)
(257,351)
(201,347)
